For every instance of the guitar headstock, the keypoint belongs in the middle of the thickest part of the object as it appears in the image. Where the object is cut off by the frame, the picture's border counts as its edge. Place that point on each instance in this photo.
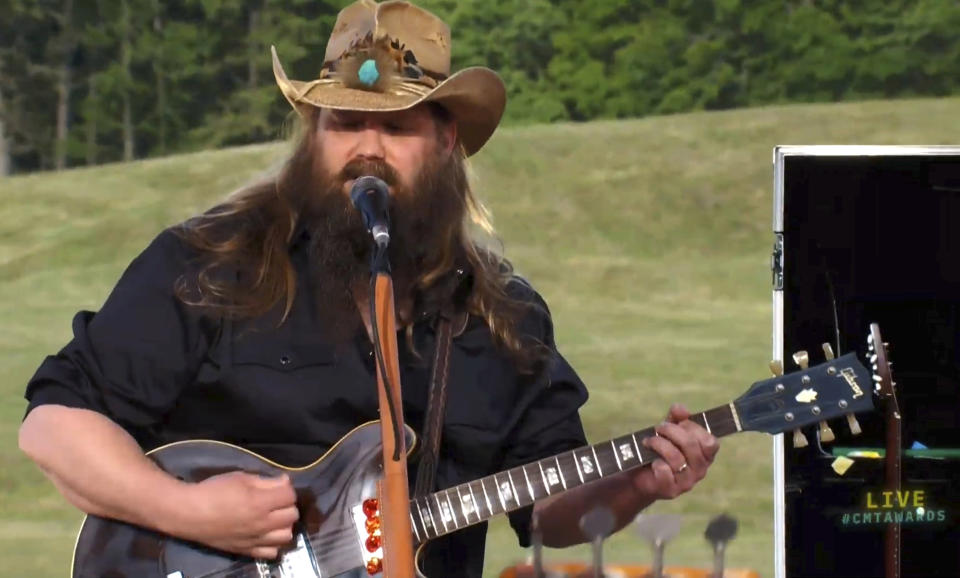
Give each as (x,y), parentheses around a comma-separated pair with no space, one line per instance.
(810,395)
(878,352)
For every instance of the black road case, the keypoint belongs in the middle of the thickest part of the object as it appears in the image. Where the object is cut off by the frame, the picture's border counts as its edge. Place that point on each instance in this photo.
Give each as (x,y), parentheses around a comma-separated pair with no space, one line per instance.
(870,234)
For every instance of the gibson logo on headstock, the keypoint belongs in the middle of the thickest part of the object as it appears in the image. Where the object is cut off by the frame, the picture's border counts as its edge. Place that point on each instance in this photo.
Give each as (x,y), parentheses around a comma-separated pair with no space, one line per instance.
(851,378)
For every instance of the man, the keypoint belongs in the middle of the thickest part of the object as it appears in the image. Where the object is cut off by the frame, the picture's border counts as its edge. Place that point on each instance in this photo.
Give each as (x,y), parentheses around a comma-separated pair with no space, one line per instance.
(248,324)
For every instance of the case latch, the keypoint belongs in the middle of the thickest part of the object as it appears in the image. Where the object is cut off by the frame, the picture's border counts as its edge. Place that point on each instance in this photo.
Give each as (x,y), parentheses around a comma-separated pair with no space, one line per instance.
(776,262)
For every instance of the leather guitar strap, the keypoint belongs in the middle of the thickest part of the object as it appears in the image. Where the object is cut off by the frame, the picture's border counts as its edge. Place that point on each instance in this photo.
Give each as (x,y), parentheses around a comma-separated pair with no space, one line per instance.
(436,400)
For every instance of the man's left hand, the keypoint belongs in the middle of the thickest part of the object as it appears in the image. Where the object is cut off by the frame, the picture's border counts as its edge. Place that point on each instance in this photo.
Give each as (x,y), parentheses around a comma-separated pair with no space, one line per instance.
(686,450)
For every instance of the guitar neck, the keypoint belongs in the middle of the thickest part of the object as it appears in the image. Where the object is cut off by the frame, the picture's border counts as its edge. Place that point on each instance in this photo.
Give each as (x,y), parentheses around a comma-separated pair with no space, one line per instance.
(449,510)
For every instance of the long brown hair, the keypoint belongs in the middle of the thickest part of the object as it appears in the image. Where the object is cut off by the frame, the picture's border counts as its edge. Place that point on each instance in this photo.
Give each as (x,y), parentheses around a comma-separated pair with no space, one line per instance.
(245,268)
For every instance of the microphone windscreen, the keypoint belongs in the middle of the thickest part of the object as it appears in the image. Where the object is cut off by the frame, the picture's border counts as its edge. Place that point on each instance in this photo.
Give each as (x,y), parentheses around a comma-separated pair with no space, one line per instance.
(368,184)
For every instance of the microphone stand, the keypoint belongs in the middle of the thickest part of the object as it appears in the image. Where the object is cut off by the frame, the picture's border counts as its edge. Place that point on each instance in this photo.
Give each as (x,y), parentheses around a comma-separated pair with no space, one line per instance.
(394,490)
(596,525)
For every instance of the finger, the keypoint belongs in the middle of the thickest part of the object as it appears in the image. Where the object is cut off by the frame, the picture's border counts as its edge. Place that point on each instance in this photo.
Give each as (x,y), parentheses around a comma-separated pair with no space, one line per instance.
(665,480)
(282,517)
(279,495)
(270,482)
(709,444)
(278,537)
(677,413)
(264,552)
(686,442)
(673,457)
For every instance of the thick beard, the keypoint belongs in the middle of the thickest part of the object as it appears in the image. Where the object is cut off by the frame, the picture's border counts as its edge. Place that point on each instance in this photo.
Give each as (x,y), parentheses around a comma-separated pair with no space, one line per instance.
(424,227)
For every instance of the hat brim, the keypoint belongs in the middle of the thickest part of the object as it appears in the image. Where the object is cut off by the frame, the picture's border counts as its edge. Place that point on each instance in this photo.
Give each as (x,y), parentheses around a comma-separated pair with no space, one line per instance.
(475,97)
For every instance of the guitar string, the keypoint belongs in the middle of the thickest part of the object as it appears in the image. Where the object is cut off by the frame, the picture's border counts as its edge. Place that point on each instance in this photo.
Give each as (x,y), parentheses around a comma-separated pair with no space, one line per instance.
(336,540)
(723,424)
(340,540)
(243,568)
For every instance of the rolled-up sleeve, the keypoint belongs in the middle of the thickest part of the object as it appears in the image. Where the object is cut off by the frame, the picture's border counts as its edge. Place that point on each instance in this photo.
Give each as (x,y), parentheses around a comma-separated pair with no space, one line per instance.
(130,360)
(551,421)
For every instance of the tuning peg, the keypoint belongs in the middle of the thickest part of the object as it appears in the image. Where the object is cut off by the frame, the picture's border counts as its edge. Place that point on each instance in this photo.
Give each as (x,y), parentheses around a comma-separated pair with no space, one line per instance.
(826,434)
(799,440)
(828,352)
(801,358)
(854,424)
(776,367)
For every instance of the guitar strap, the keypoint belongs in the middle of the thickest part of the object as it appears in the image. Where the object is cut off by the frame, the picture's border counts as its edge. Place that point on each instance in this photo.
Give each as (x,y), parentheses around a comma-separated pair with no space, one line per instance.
(436,400)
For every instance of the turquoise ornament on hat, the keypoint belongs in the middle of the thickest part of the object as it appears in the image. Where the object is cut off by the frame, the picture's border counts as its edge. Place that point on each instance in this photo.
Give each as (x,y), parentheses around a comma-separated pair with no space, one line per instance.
(368,73)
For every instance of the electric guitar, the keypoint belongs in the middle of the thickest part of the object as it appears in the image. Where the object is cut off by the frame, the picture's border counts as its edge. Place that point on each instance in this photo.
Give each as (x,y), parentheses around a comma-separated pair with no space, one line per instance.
(337,495)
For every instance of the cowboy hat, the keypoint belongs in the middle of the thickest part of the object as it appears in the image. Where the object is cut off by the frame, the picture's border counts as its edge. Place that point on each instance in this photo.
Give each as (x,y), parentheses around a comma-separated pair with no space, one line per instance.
(394,56)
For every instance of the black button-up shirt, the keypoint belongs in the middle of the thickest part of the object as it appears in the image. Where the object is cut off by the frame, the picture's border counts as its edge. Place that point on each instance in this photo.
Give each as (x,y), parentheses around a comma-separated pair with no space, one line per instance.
(166,373)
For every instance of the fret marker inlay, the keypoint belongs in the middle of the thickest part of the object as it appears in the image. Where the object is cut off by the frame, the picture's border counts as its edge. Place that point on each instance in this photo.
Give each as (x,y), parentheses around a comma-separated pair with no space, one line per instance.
(626,453)
(546,480)
(446,513)
(552,478)
(473,500)
(586,464)
(506,494)
(426,518)
(466,504)
(613,446)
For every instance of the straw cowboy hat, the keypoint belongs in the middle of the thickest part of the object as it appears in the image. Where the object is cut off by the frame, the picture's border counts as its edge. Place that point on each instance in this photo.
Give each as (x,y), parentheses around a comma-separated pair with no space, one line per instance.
(394,56)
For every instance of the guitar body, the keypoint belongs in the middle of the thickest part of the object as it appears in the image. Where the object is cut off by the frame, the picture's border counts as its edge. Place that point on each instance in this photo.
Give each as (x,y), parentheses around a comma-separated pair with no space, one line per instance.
(327,491)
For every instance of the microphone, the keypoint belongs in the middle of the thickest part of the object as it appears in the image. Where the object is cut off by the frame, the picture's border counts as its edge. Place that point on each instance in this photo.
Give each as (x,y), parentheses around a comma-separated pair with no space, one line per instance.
(370,196)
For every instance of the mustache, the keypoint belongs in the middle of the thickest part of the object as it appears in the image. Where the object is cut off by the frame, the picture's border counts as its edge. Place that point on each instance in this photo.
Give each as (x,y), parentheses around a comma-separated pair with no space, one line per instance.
(366,167)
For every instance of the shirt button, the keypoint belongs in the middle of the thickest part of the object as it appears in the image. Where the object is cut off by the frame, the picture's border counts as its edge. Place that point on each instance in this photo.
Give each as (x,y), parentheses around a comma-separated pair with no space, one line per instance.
(285,360)
(370,353)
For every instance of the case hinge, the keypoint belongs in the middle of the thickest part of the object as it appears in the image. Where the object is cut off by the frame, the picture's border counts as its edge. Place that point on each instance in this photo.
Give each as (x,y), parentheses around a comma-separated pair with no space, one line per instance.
(776,262)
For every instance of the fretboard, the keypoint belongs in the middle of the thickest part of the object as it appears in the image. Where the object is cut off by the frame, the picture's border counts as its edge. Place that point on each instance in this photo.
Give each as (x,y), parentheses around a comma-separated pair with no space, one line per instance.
(449,510)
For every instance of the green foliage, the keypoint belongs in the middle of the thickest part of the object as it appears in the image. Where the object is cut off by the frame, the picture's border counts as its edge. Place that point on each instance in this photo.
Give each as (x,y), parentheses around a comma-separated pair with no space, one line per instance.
(197,73)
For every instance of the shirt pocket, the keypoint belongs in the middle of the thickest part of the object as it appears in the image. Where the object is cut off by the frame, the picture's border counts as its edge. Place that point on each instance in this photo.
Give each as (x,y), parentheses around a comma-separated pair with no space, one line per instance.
(278,385)
(282,355)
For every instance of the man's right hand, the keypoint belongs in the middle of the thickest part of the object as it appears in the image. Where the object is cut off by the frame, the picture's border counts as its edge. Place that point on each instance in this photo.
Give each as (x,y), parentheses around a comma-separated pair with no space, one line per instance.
(242,513)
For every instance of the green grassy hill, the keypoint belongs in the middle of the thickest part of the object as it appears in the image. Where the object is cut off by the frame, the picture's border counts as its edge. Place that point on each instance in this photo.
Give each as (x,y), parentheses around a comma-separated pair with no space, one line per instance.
(649,238)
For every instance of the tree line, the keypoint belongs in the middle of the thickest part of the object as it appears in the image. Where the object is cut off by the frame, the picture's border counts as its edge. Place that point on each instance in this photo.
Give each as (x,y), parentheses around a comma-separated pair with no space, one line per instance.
(84,82)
